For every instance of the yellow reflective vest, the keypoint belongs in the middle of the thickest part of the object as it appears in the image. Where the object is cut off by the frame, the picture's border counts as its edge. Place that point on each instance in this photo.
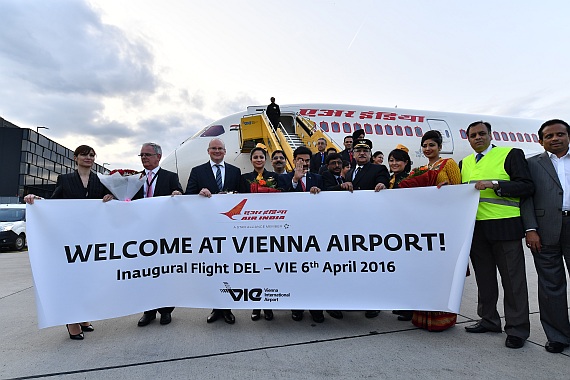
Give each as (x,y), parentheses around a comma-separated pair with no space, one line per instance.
(491,167)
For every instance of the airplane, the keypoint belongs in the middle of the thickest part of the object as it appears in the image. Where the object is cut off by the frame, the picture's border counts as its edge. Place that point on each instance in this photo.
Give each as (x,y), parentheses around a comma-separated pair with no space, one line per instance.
(303,124)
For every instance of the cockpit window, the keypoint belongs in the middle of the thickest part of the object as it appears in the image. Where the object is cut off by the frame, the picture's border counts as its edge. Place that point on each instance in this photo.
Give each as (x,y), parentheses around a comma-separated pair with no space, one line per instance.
(213,131)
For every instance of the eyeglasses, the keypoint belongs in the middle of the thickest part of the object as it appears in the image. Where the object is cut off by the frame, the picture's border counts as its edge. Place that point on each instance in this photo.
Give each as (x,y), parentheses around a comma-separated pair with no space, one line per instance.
(147,154)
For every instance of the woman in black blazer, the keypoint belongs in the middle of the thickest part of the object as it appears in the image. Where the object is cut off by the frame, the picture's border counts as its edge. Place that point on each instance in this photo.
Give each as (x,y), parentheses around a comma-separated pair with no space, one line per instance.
(81,184)
(259,181)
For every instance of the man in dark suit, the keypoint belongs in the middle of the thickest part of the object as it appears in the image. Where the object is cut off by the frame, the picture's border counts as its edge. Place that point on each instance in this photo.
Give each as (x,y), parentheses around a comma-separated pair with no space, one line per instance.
(502,176)
(347,154)
(273,113)
(302,180)
(215,177)
(332,177)
(318,159)
(159,182)
(365,175)
(546,217)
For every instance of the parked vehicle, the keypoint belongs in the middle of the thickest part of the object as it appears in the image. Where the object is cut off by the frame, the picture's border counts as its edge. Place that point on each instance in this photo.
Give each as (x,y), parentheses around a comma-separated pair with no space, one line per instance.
(13,226)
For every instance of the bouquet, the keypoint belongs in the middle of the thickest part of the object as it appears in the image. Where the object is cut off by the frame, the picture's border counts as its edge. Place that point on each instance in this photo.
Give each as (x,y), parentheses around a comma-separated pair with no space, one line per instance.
(123,183)
(420,177)
(263,186)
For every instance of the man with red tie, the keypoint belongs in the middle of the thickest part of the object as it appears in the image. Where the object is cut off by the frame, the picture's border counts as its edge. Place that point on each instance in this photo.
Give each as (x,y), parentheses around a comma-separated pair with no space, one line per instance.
(159,182)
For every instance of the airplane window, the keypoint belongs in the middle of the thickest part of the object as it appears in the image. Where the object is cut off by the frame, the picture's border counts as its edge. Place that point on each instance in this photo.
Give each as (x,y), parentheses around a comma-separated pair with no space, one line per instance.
(504,136)
(419,132)
(378,129)
(324,126)
(408,131)
(213,131)
(463,134)
(527,137)
(389,130)
(399,131)
(346,128)
(496,136)
(358,126)
(534,138)
(335,127)
(519,137)
(367,128)
(512,136)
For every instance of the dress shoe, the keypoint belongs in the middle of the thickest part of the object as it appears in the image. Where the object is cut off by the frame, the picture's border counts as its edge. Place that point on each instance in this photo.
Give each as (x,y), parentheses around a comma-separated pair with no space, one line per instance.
(478,328)
(297,315)
(268,314)
(214,315)
(74,336)
(336,314)
(405,315)
(555,347)
(229,317)
(165,318)
(87,328)
(146,319)
(514,341)
(256,314)
(317,315)
(371,313)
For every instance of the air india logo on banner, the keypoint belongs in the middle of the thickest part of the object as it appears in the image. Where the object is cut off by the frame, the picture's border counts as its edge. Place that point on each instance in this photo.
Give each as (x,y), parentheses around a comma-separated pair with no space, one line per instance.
(238,213)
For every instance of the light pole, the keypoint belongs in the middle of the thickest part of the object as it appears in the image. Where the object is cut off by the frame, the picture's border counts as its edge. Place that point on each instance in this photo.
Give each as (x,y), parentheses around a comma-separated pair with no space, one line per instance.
(38,128)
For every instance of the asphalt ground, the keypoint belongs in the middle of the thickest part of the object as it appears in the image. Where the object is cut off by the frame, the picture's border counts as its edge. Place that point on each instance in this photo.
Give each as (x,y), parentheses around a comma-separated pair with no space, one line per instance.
(189,348)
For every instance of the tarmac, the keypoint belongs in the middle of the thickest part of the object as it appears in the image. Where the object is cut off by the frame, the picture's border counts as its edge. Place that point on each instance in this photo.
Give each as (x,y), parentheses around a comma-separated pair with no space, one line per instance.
(189,348)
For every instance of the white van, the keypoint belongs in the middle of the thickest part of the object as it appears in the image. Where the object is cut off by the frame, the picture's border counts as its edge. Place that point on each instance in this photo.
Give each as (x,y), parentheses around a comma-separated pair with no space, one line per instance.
(13,226)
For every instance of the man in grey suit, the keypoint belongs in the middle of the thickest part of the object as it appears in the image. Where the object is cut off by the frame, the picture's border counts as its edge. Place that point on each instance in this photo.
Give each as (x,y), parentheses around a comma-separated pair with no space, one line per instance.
(546,218)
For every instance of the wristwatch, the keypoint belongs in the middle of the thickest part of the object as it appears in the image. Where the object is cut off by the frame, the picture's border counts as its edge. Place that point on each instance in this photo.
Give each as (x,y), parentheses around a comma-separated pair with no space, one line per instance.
(495,185)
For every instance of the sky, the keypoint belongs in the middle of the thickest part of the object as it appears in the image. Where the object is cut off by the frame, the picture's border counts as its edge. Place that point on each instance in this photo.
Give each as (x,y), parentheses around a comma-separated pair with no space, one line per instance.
(115,74)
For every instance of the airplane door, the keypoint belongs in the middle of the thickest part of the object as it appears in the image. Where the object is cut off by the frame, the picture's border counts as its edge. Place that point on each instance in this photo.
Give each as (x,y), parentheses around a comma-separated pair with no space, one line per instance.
(441,125)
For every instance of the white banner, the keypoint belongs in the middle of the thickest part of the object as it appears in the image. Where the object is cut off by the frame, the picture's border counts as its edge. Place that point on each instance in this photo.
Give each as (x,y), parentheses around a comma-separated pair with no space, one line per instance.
(395,249)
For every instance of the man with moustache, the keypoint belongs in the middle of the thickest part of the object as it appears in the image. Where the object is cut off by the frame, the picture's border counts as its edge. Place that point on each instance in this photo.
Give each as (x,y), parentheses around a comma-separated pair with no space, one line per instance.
(346,154)
(159,182)
(318,159)
(332,178)
(365,175)
(546,217)
(278,161)
(215,177)
(502,176)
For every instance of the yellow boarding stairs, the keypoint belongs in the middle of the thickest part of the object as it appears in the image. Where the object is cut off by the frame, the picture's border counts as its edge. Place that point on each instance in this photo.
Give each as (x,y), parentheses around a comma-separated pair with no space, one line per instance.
(257,128)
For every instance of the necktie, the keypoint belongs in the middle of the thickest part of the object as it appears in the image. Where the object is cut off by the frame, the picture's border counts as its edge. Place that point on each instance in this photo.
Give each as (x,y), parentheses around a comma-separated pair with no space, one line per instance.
(322,159)
(478,157)
(339,180)
(219,176)
(149,184)
(303,186)
(350,155)
(356,172)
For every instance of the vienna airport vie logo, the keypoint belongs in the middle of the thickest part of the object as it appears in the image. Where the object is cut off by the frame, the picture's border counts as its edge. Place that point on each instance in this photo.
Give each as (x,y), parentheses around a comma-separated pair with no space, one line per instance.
(238,213)
(242,294)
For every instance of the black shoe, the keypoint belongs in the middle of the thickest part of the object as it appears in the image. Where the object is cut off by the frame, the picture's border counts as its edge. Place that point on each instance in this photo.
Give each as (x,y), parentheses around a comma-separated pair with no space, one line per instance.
(297,315)
(229,317)
(555,347)
(405,315)
(256,314)
(87,328)
(165,318)
(478,328)
(214,315)
(268,314)
(317,315)
(336,314)
(74,336)
(146,319)
(371,313)
(514,341)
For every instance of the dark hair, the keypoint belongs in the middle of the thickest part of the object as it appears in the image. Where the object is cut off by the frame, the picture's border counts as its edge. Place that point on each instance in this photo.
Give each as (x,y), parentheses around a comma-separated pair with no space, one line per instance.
(347,137)
(277,151)
(377,153)
(331,149)
(332,156)
(433,135)
(552,122)
(302,150)
(345,164)
(401,155)
(256,149)
(83,149)
(358,132)
(488,125)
